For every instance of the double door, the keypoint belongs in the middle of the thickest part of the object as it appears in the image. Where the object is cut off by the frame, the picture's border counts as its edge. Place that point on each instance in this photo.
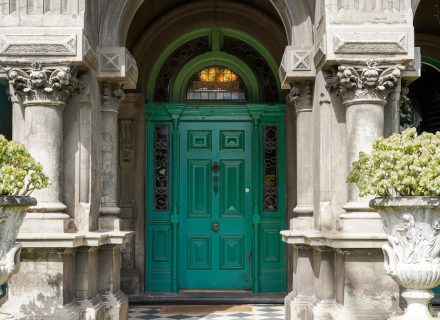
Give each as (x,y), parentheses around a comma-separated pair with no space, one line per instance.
(215,236)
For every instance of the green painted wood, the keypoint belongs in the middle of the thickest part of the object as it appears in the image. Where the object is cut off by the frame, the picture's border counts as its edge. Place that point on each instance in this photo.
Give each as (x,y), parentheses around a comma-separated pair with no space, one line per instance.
(202,135)
(215,173)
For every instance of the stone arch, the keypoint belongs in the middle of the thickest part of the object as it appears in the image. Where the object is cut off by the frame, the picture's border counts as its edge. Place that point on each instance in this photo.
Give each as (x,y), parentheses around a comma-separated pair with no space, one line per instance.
(115,21)
(296,16)
(236,16)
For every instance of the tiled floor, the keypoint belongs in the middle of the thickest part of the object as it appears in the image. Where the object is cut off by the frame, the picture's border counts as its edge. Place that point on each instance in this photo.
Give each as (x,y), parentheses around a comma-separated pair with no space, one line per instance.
(260,312)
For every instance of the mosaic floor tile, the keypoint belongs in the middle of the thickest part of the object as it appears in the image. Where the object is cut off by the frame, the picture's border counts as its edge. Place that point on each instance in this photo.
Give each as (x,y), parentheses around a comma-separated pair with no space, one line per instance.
(260,312)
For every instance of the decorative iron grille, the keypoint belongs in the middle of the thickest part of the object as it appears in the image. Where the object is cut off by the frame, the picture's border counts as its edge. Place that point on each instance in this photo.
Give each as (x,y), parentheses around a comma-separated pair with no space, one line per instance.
(270,162)
(161,167)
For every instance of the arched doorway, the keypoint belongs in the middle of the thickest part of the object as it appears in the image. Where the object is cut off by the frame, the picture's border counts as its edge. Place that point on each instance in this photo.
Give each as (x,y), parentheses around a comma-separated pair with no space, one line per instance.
(215,166)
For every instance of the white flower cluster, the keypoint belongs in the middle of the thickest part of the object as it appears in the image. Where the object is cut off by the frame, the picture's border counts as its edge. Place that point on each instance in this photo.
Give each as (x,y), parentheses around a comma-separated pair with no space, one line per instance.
(20,174)
(404,164)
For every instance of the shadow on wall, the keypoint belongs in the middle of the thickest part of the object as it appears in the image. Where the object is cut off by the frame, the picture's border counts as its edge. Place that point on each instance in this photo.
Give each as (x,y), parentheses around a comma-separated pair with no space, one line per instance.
(5,113)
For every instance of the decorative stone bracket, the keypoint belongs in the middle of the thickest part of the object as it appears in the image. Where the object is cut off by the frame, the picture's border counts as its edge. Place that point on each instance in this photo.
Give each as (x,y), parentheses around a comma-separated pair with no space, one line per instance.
(116,64)
(297,64)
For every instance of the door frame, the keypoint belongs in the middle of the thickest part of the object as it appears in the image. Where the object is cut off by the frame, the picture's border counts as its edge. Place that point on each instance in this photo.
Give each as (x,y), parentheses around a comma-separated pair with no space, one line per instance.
(162,240)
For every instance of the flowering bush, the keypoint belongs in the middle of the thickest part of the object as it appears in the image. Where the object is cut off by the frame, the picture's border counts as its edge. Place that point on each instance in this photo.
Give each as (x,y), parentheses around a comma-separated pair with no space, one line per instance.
(404,164)
(20,174)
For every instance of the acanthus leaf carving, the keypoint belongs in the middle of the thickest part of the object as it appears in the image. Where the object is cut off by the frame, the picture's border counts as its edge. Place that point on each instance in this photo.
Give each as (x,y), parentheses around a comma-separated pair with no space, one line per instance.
(38,84)
(112,94)
(370,82)
(301,95)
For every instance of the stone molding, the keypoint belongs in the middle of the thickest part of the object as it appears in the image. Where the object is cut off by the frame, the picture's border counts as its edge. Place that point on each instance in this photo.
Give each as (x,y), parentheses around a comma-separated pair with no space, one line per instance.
(116,64)
(370,82)
(301,95)
(39,85)
(112,94)
(54,45)
(296,64)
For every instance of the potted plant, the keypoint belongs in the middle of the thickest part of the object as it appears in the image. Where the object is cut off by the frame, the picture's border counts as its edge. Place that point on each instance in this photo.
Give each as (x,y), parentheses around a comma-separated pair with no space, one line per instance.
(404,172)
(20,174)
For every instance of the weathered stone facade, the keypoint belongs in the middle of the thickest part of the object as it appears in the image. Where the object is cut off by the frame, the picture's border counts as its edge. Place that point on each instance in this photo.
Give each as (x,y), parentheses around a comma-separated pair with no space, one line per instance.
(77,73)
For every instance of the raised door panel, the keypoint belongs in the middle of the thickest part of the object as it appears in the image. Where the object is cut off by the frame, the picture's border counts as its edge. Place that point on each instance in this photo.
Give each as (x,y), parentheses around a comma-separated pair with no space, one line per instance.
(232,188)
(199,188)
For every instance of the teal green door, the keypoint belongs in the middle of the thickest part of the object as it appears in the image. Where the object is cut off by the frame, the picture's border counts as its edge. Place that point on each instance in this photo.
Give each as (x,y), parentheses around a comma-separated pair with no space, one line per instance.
(216,197)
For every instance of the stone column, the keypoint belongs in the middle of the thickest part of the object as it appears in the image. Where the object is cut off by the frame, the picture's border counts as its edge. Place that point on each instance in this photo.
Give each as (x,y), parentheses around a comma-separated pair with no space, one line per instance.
(364,91)
(112,94)
(301,96)
(43,92)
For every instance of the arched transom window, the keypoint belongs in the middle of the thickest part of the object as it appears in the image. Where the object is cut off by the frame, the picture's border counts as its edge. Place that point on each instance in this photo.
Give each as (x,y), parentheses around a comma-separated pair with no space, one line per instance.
(216,83)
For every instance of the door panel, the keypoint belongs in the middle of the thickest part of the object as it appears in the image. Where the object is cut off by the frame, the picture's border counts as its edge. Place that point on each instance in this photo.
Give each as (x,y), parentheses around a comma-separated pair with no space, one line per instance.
(216,201)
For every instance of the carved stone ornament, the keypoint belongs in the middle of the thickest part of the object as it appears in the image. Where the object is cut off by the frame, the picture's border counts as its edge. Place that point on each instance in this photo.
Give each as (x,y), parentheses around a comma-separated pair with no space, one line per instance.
(112,94)
(301,95)
(370,82)
(412,254)
(40,85)
(12,212)
(126,143)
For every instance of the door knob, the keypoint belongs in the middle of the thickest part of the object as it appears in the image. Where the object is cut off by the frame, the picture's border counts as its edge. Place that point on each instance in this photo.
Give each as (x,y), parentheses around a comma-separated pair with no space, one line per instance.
(215,226)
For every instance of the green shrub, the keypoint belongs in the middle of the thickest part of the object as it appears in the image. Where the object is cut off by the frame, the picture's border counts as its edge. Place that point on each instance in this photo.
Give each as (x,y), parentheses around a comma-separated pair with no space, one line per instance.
(20,174)
(404,164)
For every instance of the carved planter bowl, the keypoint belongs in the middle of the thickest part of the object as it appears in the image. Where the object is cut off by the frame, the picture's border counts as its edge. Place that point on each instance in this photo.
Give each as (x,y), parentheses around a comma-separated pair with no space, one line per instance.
(12,212)
(412,254)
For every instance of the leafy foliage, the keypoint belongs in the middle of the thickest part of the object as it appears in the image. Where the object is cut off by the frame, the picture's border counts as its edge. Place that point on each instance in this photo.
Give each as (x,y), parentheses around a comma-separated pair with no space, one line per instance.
(404,164)
(20,174)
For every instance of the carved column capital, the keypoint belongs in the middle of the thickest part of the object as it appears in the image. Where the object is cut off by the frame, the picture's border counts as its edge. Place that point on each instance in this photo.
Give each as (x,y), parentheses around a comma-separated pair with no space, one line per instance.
(301,95)
(39,85)
(112,94)
(366,83)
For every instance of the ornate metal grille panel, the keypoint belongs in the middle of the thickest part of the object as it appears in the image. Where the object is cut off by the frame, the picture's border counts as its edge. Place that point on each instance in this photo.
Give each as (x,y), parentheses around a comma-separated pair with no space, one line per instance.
(270,162)
(174,63)
(257,62)
(161,167)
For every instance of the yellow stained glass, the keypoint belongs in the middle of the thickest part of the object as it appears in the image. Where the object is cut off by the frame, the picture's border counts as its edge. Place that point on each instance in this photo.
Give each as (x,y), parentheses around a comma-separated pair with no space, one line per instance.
(217,74)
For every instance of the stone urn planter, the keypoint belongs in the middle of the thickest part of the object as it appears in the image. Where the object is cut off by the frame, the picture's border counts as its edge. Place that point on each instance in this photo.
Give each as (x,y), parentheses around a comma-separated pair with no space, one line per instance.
(403,171)
(12,212)
(412,254)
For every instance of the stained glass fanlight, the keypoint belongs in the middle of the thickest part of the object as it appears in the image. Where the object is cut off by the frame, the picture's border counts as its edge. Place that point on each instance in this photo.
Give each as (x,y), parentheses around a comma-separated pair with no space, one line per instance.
(216,83)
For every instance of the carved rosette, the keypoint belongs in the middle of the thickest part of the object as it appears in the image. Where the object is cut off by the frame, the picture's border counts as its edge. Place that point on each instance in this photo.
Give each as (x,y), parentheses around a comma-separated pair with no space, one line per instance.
(412,254)
(40,85)
(301,95)
(112,94)
(365,83)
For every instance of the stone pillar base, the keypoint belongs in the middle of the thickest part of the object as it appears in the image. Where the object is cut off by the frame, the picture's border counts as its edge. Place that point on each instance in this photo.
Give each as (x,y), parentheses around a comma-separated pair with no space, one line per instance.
(92,309)
(116,305)
(50,222)
(298,308)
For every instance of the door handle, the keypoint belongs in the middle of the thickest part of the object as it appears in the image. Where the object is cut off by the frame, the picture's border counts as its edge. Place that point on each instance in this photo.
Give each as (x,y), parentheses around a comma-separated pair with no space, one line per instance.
(215,226)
